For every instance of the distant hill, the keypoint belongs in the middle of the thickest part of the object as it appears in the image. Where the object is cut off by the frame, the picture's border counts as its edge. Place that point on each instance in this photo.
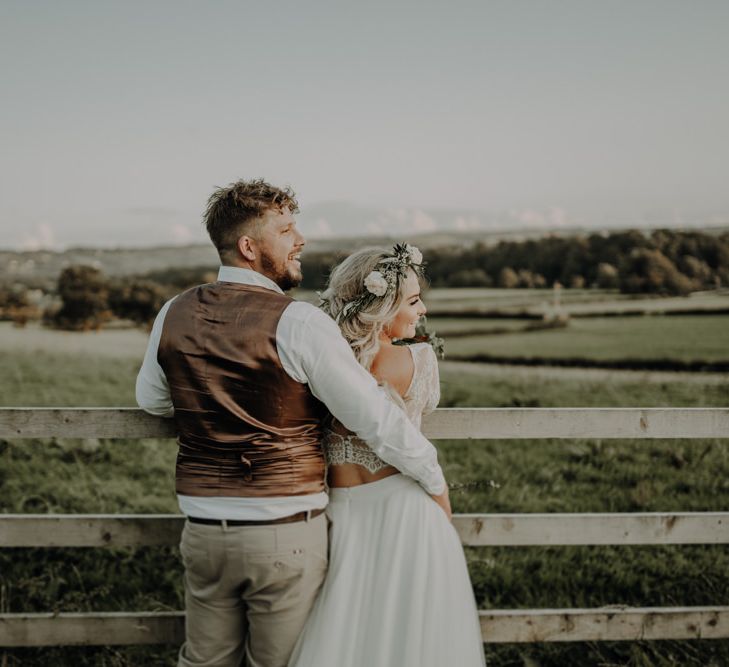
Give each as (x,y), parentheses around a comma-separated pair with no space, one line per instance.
(41,267)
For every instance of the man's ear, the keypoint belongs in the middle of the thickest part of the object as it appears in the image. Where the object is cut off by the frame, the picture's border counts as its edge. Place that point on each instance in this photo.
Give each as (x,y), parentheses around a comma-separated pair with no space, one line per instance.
(247,248)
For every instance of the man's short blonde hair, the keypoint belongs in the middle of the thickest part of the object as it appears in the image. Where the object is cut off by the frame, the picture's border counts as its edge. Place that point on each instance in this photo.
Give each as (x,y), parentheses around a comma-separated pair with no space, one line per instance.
(235,210)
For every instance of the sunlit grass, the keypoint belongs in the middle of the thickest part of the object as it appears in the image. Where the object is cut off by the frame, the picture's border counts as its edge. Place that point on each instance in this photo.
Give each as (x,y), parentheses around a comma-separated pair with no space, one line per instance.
(87,476)
(682,338)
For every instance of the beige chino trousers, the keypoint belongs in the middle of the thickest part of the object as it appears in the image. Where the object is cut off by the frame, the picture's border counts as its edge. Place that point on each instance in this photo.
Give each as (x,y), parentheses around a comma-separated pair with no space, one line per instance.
(248,591)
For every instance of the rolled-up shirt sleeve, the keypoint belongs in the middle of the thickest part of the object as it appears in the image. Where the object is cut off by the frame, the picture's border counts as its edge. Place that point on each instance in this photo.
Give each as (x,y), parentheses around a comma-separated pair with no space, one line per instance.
(313,350)
(152,390)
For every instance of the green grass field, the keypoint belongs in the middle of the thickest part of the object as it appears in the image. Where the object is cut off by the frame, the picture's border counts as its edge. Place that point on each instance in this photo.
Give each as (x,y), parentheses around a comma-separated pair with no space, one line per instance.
(516,298)
(458,326)
(662,337)
(487,298)
(89,476)
(473,300)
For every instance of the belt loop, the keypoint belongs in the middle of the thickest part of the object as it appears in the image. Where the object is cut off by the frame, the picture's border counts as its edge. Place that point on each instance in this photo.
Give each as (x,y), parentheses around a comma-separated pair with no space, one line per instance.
(308,516)
(224,523)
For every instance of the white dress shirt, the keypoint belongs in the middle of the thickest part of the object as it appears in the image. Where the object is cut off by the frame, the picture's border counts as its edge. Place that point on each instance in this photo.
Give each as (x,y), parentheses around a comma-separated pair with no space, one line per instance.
(312,351)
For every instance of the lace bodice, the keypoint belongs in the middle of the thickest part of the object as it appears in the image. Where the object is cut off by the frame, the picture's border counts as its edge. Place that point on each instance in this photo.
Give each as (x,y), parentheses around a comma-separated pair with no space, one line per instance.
(342,446)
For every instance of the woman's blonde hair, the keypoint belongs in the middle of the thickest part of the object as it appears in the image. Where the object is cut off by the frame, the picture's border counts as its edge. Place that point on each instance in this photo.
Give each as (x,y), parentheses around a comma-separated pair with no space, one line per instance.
(346,284)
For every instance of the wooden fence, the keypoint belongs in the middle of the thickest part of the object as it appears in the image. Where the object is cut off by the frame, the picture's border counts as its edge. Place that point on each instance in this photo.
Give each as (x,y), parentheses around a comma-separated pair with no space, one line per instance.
(498,626)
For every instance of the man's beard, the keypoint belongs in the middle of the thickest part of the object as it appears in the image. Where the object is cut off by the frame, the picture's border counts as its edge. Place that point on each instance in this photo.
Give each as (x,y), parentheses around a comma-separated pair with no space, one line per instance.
(281,275)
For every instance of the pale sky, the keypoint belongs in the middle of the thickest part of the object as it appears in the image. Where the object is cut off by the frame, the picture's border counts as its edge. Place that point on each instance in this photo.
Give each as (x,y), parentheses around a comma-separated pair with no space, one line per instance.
(119,118)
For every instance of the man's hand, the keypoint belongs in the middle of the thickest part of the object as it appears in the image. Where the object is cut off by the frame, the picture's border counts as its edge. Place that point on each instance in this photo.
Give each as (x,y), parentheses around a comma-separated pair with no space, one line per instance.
(445,503)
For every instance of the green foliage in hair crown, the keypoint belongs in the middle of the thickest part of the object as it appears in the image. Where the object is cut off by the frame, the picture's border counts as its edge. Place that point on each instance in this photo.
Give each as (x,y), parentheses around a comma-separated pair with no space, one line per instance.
(422,335)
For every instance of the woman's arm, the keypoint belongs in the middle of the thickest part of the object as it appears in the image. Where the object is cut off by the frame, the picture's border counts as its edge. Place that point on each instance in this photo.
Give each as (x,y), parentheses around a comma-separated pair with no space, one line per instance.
(397,367)
(314,351)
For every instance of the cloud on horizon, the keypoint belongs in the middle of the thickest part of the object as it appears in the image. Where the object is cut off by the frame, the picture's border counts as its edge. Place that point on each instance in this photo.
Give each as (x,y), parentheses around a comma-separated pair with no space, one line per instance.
(41,238)
(153,211)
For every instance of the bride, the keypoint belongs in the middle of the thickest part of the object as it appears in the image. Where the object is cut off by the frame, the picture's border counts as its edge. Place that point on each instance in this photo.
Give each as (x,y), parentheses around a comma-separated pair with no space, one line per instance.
(397,593)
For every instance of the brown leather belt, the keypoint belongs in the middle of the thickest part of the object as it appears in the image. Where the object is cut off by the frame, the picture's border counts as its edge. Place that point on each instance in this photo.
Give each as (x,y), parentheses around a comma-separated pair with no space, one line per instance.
(293,518)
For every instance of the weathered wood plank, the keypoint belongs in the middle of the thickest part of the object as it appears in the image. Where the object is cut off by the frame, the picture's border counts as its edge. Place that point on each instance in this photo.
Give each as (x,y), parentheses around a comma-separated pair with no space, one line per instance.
(593,529)
(497,626)
(122,530)
(454,423)
(82,423)
(92,629)
(536,423)
(89,530)
(604,624)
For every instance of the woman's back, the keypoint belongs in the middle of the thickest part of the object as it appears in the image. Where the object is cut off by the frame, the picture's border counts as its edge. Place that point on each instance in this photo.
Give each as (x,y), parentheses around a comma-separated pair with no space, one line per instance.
(394,365)
(412,372)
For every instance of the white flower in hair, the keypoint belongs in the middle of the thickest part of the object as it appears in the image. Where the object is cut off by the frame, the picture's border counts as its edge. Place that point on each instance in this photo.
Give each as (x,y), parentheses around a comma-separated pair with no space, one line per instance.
(416,257)
(375,283)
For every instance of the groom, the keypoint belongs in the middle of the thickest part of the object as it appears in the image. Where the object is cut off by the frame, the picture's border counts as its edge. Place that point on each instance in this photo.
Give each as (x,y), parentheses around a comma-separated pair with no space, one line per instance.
(248,374)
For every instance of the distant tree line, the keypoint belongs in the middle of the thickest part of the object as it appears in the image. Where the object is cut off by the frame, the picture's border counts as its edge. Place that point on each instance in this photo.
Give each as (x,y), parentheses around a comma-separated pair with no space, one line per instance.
(17,306)
(664,262)
(89,300)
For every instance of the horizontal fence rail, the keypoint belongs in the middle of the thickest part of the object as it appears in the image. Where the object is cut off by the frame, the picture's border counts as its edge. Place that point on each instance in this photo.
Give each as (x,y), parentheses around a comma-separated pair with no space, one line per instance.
(92,629)
(614,623)
(475,530)
(604,624)
(512,530)
(450,423)
(499,626)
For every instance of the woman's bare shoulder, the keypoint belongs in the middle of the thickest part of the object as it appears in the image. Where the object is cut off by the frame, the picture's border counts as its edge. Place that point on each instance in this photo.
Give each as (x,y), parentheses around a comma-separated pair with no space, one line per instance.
(394,365)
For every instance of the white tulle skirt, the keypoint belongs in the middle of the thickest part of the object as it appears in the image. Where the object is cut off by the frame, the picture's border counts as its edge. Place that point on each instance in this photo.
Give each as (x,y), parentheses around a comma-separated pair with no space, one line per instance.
(397,593)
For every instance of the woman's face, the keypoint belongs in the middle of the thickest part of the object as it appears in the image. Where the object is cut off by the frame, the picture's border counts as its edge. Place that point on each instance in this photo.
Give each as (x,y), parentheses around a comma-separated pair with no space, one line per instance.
(410,311)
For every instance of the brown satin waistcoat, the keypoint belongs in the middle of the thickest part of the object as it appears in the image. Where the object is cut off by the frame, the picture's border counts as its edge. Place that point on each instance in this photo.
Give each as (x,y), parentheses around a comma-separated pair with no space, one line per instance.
(246,428)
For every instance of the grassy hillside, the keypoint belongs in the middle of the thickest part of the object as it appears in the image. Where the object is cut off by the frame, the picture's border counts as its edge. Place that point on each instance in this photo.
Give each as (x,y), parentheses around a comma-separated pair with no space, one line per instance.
(671,338)
(498,476)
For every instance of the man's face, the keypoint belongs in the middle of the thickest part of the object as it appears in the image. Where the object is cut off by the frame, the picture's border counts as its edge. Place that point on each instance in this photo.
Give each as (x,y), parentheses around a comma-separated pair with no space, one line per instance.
(279,245)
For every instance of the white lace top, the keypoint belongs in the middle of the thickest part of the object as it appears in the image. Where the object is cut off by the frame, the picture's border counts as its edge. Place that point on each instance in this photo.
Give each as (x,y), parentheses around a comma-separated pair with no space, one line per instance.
(342,446)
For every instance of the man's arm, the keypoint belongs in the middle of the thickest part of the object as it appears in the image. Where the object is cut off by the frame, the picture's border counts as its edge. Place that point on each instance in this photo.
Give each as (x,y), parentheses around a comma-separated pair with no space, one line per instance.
(313,350)
(153,392)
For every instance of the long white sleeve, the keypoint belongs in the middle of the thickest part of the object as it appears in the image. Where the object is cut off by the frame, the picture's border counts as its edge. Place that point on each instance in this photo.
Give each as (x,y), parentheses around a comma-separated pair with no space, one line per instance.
(152,390)
(313,350)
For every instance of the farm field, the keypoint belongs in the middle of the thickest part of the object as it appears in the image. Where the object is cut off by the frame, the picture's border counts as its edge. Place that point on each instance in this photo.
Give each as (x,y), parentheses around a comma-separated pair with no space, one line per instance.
(462,326)
(487,297)
(576,302)
(87,476)
(682,338)
(477,301)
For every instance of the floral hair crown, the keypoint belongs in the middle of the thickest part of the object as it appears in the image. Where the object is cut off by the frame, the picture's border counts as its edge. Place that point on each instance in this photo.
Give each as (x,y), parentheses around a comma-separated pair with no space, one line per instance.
(386,278)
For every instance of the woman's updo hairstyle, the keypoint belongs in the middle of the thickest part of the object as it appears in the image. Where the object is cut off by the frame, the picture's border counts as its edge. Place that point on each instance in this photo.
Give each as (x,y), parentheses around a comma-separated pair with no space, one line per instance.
(347,285)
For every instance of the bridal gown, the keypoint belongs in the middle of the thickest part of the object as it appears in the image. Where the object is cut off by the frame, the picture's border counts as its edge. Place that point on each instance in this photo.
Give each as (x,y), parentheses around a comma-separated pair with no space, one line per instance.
(397,593)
